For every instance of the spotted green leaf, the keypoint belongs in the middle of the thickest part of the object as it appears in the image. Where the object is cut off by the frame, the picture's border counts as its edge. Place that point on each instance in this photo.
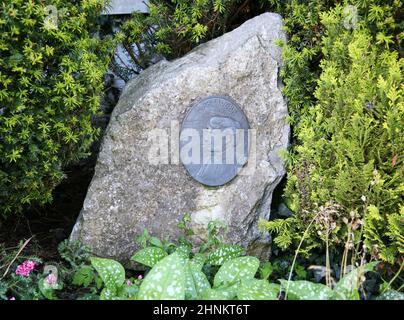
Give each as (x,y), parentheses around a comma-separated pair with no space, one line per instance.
(224,293)
(108,293)
(236,270)
(195,281)
(391,295)
(111,272)
(123,292)
(149,256)
(183,250)
(224,253)
(198,261)
(306,290)
(254,289)
(347,287)
(166,281)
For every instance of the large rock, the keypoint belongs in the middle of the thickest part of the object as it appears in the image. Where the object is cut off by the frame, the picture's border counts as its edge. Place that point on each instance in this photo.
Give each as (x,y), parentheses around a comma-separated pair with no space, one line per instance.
(128,193)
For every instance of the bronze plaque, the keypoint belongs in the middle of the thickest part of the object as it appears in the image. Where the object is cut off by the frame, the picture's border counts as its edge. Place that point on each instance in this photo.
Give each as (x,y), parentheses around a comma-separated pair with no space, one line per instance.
(214,140)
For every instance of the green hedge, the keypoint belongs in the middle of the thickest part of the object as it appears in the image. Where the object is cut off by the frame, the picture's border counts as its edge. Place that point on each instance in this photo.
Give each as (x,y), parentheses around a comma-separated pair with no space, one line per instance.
(344,88)
(173,27)
(50,83)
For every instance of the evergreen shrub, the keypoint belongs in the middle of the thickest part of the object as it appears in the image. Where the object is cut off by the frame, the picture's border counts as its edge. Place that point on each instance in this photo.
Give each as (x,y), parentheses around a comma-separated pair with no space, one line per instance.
(51,69)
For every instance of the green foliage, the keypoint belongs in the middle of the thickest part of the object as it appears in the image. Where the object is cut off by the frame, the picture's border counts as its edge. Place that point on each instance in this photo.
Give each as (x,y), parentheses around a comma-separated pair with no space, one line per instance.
(279,267)
(196,282)
(177,276)
(48,291)
(266,270)
(50,84)
(3,290)
(149,256)
(282,228)
(302,53)
(346,288)
(182,273)
(224,253)
(254,289)
(166,281)
(108,276)
(18,286)
(24,288)
(84,276)
(74,252)
(344,88)
(235,270)
(112,274)
(306,290)
(391,295)
(174,27)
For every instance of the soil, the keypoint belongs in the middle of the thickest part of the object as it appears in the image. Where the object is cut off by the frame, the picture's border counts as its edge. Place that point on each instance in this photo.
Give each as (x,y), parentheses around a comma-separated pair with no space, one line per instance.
(52,223)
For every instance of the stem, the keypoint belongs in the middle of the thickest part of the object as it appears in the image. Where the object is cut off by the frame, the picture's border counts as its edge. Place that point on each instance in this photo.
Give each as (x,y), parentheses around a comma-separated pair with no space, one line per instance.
(131,54)
(394,278)
(238,11)
(359,241)
(18,253)
(345,254)
(297,252)
(327,264)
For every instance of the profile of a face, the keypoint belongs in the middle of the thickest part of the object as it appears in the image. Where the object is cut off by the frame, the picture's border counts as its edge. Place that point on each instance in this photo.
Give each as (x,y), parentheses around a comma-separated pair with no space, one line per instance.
(223,123)
(223,127)
(221,140)
(222,147)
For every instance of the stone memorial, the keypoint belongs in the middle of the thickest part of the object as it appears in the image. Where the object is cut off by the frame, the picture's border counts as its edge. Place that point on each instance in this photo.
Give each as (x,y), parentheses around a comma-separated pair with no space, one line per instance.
(156,163)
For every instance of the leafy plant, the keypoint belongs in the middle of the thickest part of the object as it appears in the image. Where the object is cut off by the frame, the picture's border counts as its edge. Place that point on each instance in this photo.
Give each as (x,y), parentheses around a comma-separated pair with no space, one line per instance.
(52,66)
(173,27)
(112,274)
(177,276)
(391,295)
(343,82)
(85,276)
(184,273)
(21,280)
(181,272)
(346,288)
(74,252)
(166,281)
(149,256)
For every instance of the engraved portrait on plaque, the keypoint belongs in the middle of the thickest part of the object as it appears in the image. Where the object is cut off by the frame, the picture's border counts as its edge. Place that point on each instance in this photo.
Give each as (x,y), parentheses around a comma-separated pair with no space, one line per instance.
(214,140)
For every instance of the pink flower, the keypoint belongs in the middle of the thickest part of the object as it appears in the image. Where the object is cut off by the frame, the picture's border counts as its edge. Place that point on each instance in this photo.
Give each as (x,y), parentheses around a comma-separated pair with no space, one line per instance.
(51,279)
(128,282)
(30,264)
(140,277)
(25,268)
(12,298)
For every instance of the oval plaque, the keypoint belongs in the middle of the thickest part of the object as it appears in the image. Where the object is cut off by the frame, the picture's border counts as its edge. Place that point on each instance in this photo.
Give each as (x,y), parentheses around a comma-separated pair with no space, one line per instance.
(214,140)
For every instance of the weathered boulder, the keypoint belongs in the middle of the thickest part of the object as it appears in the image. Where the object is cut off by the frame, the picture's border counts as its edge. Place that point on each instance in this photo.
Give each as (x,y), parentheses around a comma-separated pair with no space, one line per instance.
(129,193)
